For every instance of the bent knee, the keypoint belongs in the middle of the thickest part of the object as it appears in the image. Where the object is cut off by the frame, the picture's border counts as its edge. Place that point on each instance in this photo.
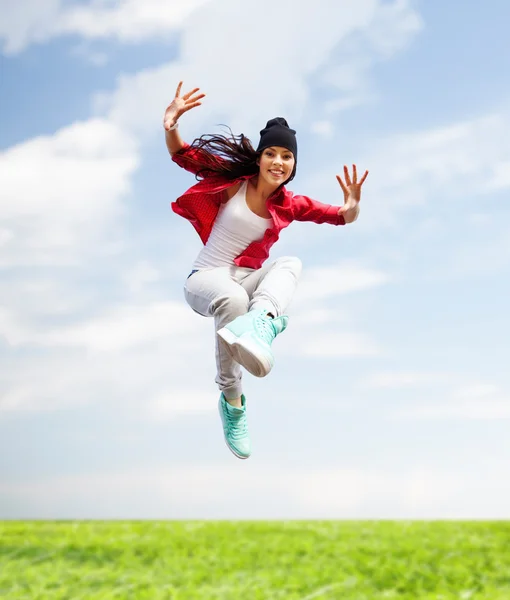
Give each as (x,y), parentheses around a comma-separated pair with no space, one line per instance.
(234,304)
(292,263)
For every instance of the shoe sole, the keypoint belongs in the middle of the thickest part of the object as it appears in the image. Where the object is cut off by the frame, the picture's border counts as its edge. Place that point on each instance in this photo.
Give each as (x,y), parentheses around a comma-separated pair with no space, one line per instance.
(244,351)
(242,457)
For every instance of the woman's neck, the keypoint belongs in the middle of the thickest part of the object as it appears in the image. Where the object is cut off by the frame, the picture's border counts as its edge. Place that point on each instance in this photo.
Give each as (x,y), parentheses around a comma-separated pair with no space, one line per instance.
(262,188)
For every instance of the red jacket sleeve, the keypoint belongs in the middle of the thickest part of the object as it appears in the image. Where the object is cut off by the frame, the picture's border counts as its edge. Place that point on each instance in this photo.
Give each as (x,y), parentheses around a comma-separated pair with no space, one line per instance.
(306,209)
(194,160)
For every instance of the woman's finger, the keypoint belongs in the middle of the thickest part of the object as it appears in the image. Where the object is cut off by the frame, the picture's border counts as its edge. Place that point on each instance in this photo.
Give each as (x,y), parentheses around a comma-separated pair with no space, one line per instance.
(178,91)
(342,185)
(347,176)
(190,106)
(196,98)
(354,175)
(365,175)
(189,94)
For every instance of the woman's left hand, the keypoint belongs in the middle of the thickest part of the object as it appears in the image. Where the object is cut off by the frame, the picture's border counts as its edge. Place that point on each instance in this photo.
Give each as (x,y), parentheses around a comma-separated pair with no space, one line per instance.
(352,194)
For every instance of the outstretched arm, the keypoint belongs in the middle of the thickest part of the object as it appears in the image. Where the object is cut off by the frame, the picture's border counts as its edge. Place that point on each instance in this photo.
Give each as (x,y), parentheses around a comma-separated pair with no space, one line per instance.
(352,194)
(306,209)
(179,105)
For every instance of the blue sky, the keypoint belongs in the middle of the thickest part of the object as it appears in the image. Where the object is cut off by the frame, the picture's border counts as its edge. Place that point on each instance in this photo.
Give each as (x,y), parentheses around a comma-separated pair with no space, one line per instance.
(391,393)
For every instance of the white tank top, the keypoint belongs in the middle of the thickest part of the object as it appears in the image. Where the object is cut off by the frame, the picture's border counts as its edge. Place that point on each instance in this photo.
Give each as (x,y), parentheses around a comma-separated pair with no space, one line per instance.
(235,228)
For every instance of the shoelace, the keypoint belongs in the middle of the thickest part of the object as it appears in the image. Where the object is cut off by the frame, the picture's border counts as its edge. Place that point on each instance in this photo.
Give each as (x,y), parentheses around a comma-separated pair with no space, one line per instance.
(238,424)
(265,329)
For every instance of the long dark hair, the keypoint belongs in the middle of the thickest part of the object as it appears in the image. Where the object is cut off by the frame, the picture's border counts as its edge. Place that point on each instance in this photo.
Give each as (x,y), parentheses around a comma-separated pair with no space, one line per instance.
(230,156)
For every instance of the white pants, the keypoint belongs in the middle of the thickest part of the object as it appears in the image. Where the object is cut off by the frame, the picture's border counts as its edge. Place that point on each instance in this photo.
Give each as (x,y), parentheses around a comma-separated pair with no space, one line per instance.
(228,292)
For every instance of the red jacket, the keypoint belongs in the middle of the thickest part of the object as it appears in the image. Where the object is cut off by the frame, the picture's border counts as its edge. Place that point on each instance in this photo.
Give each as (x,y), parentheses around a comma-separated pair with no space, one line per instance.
(200,205)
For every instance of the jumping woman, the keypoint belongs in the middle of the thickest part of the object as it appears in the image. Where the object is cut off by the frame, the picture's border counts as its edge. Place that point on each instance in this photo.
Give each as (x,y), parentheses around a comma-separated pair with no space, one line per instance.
(238,208)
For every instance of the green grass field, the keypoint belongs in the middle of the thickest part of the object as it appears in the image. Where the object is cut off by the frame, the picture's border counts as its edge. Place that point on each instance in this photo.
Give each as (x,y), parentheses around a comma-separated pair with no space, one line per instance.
(294,560)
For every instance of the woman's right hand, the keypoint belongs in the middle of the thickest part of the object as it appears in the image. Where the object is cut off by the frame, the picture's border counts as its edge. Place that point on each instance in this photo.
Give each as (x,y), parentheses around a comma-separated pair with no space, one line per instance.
(180,105)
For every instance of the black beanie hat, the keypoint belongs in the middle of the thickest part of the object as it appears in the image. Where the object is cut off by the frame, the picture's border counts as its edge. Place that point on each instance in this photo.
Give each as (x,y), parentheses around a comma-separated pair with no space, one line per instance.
(278,133)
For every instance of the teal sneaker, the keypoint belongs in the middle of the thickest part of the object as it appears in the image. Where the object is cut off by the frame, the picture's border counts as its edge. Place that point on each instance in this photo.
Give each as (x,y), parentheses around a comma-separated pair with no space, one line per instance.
(235,427)
(249,339)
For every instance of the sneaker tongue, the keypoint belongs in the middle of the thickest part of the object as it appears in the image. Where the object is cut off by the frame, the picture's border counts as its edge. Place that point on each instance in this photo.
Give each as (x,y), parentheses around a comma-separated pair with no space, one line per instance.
(279,324)
(234,410)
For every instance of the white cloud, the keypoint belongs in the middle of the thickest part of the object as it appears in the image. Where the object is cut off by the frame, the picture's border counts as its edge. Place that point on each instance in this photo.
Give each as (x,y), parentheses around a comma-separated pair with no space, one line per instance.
(370,43)
(171,403)
(320,283)
(259,492)
(125,327)
(306,315)
(127,20)
(486,251)
(140,100)
(338,345)
(25,22)
(397,17)
(472,402)
(322,128)
(120,328)
(476,391)
(448,162)
(111,361)
(41,393)
(404,379)
(488,410)
(321,322)
(140,275)
(426,488)
(61,192)
(427,171)
(501,176)
(114,358)
(451,395)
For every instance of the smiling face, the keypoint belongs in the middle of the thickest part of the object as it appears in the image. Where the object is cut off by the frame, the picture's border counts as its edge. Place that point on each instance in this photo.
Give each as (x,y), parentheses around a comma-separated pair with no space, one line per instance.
(276,165)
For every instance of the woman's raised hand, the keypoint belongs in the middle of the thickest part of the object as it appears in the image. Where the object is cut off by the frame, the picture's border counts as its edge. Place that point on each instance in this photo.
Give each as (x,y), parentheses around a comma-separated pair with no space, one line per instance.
(180,105)
(352,193)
